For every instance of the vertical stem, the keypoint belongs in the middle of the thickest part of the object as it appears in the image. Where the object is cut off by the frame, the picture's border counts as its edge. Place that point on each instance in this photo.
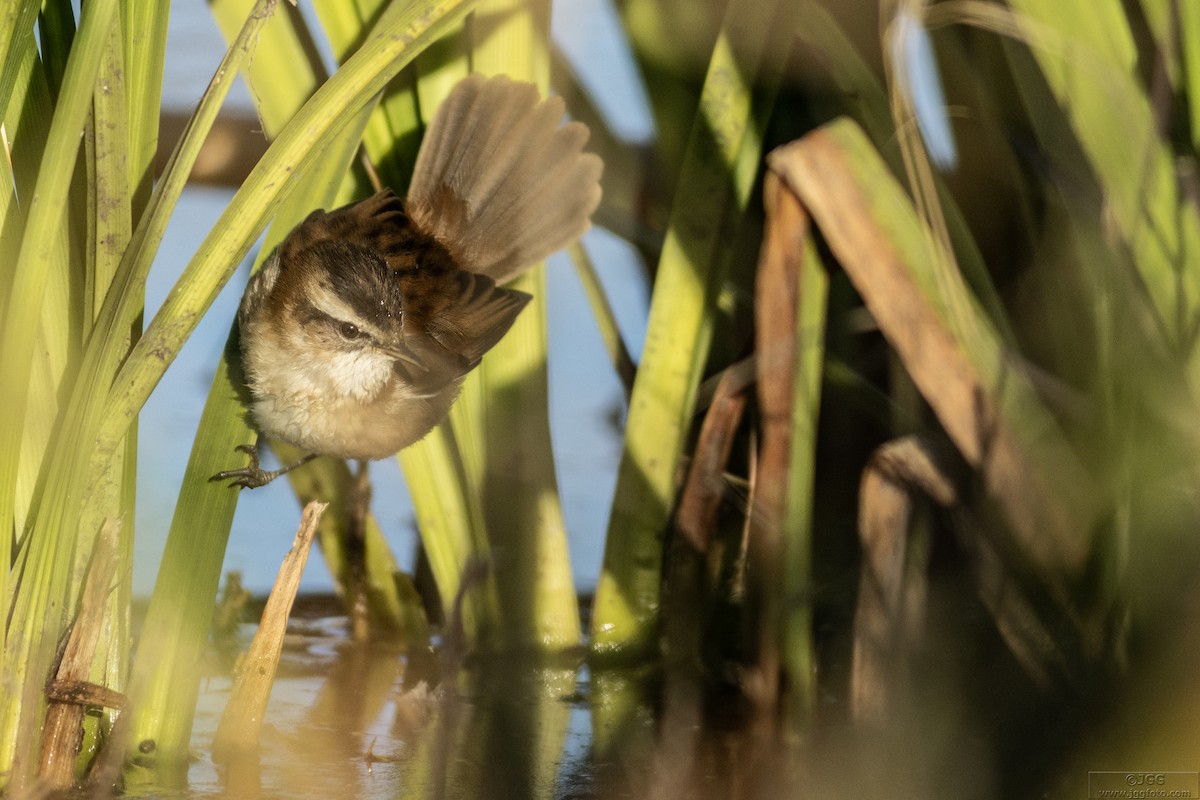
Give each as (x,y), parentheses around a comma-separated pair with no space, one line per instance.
(520,490)
(714,188)
(790,308)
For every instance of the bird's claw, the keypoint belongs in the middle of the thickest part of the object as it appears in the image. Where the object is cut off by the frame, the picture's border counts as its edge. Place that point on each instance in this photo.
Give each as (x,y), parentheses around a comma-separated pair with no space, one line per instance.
(248,477)
(251,477)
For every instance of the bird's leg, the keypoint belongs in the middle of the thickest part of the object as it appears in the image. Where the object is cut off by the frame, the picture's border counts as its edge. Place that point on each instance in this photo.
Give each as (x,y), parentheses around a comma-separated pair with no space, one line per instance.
(356,551)
(252,477)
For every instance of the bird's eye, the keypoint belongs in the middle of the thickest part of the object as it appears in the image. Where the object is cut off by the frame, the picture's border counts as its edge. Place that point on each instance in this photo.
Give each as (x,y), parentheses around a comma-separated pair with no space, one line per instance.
(349,330)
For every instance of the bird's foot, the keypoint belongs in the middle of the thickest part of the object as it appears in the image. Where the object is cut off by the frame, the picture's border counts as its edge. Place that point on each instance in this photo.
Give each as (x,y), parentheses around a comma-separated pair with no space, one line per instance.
(252,477)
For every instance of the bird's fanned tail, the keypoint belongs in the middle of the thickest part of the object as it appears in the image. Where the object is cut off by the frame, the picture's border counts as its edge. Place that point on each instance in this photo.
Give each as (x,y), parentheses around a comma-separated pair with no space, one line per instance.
(499,180)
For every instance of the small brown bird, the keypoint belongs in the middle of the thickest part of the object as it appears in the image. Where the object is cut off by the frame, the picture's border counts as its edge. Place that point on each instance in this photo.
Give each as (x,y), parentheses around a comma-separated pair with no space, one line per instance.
(358,330)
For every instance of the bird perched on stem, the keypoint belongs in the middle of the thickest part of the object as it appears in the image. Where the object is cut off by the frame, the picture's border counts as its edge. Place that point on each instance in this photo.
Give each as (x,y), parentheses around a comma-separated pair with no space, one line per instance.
(358,330)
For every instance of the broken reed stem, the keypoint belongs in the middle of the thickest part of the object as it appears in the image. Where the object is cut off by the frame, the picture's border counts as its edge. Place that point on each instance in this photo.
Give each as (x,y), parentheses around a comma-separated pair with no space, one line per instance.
(68,689)
(705,487)
(237,735)
(890,614)
(981,397)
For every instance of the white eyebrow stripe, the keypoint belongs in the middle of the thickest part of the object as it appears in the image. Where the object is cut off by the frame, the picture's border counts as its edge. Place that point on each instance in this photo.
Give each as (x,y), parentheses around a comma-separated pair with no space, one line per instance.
(328,302)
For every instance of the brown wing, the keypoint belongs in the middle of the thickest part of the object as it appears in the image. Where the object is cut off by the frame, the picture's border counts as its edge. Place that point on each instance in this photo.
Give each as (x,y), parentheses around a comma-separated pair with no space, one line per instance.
(474,315)
(478,316)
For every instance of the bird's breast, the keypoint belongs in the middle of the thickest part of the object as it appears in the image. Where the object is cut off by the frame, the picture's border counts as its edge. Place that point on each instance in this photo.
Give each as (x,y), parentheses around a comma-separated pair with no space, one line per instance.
(350,406)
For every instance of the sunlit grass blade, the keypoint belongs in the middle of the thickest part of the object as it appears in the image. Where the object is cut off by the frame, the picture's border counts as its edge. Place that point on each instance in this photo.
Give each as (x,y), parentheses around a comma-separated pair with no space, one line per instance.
(602,311)
(521,502)
(47,560)
(444,472)
(40,241)
(1189,34)
(145,38)
(27,126)
(393,132)
(109,173)
(672,63)
(520,490)
(441,67)
(44,584)
(108,343)
(16,34)
(109,229)
(450,520)
(285,71)
(166,677)
(690,276)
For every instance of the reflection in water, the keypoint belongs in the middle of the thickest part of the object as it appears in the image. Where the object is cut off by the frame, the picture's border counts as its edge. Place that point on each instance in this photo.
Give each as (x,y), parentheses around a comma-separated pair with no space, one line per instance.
(350,721)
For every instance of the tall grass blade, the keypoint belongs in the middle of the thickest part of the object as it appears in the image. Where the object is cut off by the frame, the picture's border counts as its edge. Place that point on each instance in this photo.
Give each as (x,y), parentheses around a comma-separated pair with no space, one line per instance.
(393,132)
(1189,34)
(690,276)
(450,520)
(69,479)
(30,643)
(144,33)
(37,251)
(285,71)
(26,125)
(109,230)
(16,35)
(520,491)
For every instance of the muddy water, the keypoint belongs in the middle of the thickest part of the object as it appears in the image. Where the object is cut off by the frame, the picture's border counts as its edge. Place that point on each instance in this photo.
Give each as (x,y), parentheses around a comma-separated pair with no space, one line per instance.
(367,722)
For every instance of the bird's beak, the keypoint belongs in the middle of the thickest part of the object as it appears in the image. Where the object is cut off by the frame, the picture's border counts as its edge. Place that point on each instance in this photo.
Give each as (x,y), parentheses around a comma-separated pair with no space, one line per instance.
(401,352)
